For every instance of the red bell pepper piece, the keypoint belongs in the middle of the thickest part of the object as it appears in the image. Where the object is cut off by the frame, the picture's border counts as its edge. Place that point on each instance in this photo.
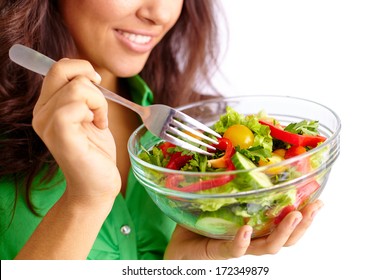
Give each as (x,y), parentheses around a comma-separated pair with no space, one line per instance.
(173,181)
(294,151)
(226,145)
(292,138)
(302,165)
(164,148)
(178,160)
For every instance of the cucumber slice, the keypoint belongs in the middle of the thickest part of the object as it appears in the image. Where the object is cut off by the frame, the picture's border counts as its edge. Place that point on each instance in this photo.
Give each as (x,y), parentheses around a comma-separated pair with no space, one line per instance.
(253,179)
(219,222)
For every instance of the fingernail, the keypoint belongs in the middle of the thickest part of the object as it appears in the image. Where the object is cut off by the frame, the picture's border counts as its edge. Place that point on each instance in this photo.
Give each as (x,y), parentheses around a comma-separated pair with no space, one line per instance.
(247,234)
(91,114)
(315,212)
(98,77)
(296,222)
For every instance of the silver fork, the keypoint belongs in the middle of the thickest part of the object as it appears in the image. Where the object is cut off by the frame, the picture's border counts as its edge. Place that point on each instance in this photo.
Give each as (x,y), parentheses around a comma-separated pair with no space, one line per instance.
(163,121)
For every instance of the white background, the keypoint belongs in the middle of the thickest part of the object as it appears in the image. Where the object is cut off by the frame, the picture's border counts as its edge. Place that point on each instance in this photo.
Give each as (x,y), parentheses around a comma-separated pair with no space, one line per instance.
(335,52)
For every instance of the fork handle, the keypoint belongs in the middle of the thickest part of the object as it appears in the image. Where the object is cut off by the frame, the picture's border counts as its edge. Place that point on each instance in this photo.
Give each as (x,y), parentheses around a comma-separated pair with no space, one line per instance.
(121,100)
(41,64)
(30,59)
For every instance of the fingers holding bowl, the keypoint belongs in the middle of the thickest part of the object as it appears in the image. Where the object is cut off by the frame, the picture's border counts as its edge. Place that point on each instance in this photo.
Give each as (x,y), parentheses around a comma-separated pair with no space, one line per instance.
(287,233)
(308,214)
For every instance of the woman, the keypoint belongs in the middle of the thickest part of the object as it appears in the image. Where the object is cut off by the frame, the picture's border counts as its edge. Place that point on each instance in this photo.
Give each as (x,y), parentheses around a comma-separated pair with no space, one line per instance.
(65,187)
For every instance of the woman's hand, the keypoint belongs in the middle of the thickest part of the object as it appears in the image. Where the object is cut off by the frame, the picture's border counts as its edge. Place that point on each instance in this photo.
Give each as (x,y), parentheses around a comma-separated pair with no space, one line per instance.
(70,116)
(188,245)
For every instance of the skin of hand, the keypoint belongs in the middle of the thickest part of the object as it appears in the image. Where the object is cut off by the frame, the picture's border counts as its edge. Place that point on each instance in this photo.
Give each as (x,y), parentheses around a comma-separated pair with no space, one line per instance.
(70,117)
(287,233)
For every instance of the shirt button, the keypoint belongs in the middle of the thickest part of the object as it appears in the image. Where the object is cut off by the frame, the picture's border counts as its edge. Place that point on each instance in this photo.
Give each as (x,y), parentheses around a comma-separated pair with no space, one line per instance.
(125,230)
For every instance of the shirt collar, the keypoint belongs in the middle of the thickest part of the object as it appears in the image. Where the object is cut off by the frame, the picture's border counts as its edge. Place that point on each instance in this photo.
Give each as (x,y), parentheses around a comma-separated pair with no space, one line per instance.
(140,92)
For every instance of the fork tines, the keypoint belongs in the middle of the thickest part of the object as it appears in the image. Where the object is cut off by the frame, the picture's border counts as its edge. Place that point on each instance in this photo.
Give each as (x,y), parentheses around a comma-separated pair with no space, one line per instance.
(197,125)
(190,130)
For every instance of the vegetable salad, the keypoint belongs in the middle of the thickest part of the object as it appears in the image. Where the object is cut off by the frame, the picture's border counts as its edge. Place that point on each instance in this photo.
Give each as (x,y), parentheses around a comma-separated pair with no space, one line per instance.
(248,141)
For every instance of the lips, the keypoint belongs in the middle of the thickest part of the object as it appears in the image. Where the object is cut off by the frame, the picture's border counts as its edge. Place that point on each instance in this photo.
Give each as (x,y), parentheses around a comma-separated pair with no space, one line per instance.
(138,42)
(135,38)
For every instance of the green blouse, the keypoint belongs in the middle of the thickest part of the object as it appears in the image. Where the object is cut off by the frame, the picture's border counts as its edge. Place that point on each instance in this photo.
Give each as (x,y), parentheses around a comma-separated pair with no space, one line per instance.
(134,229)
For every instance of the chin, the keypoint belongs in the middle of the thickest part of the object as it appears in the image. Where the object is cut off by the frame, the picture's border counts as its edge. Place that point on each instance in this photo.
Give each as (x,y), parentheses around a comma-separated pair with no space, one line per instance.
(127,74)
(128,70)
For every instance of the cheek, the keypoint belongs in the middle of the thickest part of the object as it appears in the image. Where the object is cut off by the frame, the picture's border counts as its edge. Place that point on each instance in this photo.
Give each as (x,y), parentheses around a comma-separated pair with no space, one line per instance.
(178,7)
(175,12)
(86,14)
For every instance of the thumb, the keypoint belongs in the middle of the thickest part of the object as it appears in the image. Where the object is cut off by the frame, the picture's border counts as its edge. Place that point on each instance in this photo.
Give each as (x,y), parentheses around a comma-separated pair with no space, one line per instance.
(234,248)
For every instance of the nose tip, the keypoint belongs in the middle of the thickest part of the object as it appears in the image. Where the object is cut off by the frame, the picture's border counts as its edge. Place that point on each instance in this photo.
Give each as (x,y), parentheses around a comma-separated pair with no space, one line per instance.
(158,12)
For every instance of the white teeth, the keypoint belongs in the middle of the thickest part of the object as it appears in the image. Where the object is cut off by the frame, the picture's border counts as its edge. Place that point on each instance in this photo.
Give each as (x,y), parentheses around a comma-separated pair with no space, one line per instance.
(135,38)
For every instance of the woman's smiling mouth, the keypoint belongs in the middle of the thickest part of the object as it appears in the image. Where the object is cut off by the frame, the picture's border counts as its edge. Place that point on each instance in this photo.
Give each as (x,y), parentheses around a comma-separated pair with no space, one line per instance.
(136,42)
(135,38)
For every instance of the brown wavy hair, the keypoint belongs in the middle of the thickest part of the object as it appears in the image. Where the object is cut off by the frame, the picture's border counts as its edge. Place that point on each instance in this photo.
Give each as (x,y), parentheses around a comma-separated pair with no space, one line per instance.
(183,58)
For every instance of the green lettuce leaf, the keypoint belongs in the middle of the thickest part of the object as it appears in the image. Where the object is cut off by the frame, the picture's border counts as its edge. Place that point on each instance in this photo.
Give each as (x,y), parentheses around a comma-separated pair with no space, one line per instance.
(213,204)
(304,127)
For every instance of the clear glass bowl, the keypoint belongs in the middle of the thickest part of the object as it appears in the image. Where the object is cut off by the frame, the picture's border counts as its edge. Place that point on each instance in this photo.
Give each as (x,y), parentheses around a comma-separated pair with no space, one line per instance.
(262,208)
